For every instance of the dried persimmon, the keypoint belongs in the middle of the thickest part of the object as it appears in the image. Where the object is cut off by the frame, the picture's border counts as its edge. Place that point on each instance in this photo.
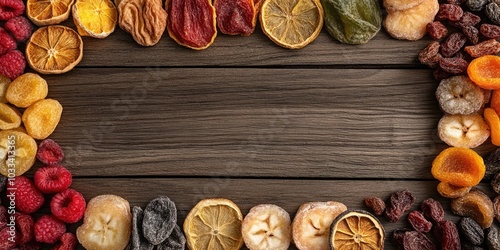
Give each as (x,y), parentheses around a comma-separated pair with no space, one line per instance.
(461,167)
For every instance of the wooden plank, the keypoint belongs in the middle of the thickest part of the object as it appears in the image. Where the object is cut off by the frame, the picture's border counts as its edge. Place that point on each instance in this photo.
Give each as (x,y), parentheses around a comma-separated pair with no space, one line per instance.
(289,194)
(248,122)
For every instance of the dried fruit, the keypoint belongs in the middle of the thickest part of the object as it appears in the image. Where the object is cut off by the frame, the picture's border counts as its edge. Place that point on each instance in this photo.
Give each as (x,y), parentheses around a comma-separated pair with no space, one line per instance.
(459,167)
(454,65)
(446,233)
(418,221)
(44,12)
(490,30)
(41,118)
(488,47)
(135,18)
(53,179)
(399,203)
(493,238)
(214,224)
(54,49)
(4,85)
(476,5)
(471,231)
(291,24)
(493,121)
(414,240)
(430,55)
(492,11)
(95,18)
(395,5)
(453,44)
(466,131)
(137,240)
(3,183)
(67,242)
(376,204)
(5,243)
(26,90)
(352,22)
(450,12)
(398,237)
(107,223)
(12,64)
(25,150)
(25,225)
(411,24)
(436,30)
(49,152)
(447,190)
(492,162)
(10,9)
(495,183)
(176,240)
(160,217)
(48,229)
(267,226)
(68,206)
(7,42)
(432,209)
(235,17)
(311,225)
(484,71)
(28,198)
(468,19)
(10,118)
(356,230)
(20,27)
(469,246)
(472,34)
(475,205)
(196,33)
(440,74)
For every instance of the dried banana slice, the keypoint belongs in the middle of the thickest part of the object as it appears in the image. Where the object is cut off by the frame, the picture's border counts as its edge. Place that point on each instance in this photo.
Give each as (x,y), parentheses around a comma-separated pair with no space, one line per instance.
(465,131)
(395,5)
(410,24)
(311,225)
(459,95)
(267,226)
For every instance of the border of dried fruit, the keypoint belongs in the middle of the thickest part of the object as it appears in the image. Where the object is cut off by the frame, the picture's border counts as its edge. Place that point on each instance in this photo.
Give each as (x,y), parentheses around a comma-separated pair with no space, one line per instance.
(463,56)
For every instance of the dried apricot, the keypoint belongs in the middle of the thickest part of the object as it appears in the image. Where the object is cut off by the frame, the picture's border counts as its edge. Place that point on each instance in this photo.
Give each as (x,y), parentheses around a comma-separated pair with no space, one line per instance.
(17,152)
(447,190)
(41,118)
(26,90)
(491,117)
(459,167)
(475,205)
(485,71)
(4,84)
(10,118)
(495,101)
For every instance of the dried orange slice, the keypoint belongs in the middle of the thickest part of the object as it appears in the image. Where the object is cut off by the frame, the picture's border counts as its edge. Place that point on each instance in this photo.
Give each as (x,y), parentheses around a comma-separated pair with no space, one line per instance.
(48,12)
(95,18)
(214,224)
(54,49)
(356,229)
(291,24)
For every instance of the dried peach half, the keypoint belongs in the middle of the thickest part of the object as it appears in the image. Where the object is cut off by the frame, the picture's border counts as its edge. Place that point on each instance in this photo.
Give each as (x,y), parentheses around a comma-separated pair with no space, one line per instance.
(41,118)
(10,118)
(476,205)
(17,152)
(26,90)
(461,167)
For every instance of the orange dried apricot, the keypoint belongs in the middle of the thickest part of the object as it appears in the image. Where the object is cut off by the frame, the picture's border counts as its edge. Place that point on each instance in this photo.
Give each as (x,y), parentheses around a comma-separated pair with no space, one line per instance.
(475,205)
(26,90)
(461,167)
(485,71)
(495,101)
(41,118)
(10,118)
(23,156)
(447,190)
(491,117)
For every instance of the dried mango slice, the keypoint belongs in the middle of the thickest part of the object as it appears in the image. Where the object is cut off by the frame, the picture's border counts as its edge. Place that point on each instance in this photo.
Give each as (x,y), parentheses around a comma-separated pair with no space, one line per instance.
(411,24)
(235,17)
(41,118)
(24,148)
(196,30)
(459,167)
(485,71)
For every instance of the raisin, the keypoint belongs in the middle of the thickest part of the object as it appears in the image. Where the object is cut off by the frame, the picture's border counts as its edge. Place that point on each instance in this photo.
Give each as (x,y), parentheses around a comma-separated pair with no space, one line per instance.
(447,234)
(449,12)
(175,241)
(3,217)
(471,231)
(399,203)
(471,33)
(433,210)
(440,74)
(493,12)
(490,30)
(417,241)
(137,239)
(398,237)
(468,19)
(469,246)
(436,30)
(454,65)
(457,2)
(430,55)
(495,183)
(418,222)
(376,204)
(3,182)
(492,162)
(235,17)
(493,238)
(160,218)
(496,207)
(476,5)
(476,205)
(453,44)
(488,47)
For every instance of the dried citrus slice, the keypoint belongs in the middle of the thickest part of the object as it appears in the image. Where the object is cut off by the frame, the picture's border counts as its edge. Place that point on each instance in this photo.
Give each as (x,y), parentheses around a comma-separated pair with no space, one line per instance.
(214,224)
(95,18)
(54,49)
(48,12)
(291,24)
(356,229)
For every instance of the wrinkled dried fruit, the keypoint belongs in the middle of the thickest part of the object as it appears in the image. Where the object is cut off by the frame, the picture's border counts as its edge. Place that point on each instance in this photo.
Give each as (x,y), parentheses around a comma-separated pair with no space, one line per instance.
(496,208)
(138,240)
(450,12)
(472,34)
(145,20)
(447,234)
(436,30)
(459,95)
(467,131)
(398,237)
(490,30)
(454,65)
(491,117)
(395,5)
(476,5)
(399,203)
(485,71)
(453,44)
(24,225)
(267,226)
(160,218)
(458,166)
(352,22)
(25,151)
(41,118)
(235,17)
(492,162)
(417,241)
(447,190)
(10,118)
(176,240)
(469,246)
(49,152)
(493,238)
(493,12)
(4,85)
(430,55)
(26,90)
(3,183)
(96,18)
(440,74)
(411,24)
(376,204)
(356,229)
(488,47)
(471,231)
(44,13)
(418,221)
(468,19)
(495,183)
(475,205)
(197,30)
(432,209)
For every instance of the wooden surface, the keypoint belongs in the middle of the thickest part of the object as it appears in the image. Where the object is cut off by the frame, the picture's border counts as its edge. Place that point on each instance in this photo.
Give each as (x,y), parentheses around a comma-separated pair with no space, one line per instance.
(250,121)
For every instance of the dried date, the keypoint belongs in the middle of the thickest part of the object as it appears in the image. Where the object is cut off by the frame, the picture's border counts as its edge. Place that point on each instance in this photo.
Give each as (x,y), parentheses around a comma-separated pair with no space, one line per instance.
(436,30)
(493,238)
(454,65)
(449,12)
(447,234)
(492,163)
(399,203)
(433,210)
(490,30)
(453,44)
(488,47)
(418,222)
(376,204)
(471,231)
(430,55)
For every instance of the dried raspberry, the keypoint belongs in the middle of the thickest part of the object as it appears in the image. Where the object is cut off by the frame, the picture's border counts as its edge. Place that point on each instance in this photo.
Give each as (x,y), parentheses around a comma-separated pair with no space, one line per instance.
(7,241)
(28,198)
(7,43)
(3,217)
(49,152)
(10,9)
(20,27)
(68,206)
(68,242)
(24,224)
(12,64)
(48,229)
(53,179)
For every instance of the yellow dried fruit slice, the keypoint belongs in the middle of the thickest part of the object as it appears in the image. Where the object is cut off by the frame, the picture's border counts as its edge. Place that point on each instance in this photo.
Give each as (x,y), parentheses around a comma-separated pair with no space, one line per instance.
(4,85)
(410,24)
(48,12)
(95,18)
(24,148)
(42,118)
(26,90)
(54,49)
(291,24)
(10,118)
(214,224)
(356,230)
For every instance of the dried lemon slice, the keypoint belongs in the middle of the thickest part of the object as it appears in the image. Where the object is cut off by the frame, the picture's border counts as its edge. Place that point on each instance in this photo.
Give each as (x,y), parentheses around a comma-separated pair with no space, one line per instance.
(95,18)
(356,229)
(48,12)
(54,50)
(214,224)
(291,24)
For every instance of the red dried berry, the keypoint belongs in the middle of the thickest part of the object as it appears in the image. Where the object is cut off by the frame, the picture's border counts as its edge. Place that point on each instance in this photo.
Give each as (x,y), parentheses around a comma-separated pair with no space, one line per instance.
(7,240)
(376,204)
(10,9)
(399,203)
(68,206)
(453,44)
(12,64)
(3,217)
(20,27)
(418,222)
(433,210)
(53,179)
(446,233)
(25,224)
(49,152)
(28,198)
(436,30)
(490,30)
(48,229)
(7,43)
(449,12)
(67,242)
